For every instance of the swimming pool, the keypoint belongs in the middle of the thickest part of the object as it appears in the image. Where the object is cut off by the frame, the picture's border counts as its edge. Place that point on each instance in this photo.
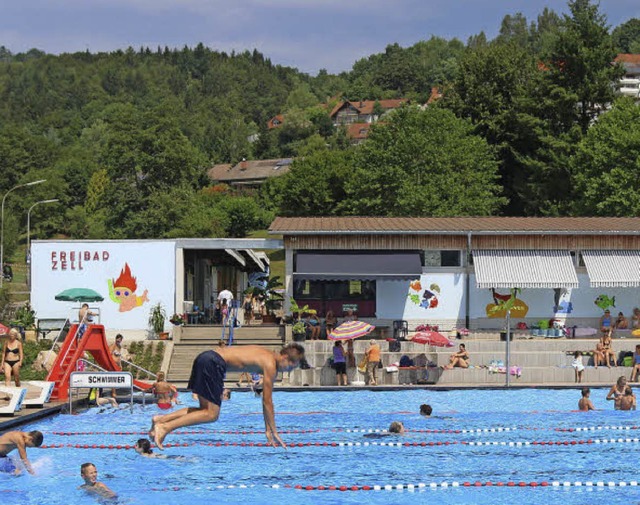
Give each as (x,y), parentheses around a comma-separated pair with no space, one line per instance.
(481,446)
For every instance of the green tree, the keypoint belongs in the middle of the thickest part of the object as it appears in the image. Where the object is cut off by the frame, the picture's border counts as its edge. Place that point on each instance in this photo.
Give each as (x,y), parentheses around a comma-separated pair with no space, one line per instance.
(314,186)
(492,90)
(423,163)
(580,62)
(606,166)
(626,37)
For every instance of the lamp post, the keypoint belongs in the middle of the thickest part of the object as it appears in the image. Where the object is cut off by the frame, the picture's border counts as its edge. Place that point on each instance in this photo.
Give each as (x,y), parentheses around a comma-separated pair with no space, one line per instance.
(2,225)
(29,235)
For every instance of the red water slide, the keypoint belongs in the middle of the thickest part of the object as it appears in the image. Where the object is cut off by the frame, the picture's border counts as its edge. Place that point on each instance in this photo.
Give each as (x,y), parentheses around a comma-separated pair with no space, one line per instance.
(94,342)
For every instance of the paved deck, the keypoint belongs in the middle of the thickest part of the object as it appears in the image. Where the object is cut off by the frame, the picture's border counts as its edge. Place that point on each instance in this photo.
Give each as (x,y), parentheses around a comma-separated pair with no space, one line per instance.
(29,415)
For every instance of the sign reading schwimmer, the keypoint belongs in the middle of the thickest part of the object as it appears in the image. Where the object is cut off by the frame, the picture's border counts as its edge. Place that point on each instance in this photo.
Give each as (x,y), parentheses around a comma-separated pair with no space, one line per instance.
(101,380)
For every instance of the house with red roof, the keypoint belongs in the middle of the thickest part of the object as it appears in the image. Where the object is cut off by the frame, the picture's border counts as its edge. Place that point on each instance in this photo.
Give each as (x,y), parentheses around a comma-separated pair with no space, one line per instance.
(363,111)
(630,83)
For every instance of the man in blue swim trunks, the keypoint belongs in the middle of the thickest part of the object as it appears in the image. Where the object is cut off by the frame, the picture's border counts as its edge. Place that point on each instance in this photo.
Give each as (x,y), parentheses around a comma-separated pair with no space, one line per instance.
(17,440)
(207,381)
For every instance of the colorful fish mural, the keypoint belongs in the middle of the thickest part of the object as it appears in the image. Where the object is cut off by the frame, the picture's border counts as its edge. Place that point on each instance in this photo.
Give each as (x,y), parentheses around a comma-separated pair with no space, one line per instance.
(123,291)
(604,302)
(429,298)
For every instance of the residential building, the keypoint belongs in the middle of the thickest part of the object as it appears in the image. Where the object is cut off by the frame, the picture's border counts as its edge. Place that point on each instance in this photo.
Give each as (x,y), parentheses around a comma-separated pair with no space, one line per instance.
(363,111)
(630,83)
(249,173)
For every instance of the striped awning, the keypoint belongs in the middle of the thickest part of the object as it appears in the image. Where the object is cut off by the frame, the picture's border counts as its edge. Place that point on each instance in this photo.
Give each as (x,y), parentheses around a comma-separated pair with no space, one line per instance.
(524,269)
(613,269)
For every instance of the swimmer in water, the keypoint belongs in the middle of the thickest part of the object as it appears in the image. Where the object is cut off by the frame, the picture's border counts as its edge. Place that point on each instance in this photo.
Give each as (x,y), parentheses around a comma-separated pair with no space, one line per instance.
(89,473)
(18,440)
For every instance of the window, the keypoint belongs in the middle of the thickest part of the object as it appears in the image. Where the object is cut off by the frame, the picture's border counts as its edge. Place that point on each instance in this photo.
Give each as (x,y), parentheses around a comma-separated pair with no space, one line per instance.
(334,290)
(442,259)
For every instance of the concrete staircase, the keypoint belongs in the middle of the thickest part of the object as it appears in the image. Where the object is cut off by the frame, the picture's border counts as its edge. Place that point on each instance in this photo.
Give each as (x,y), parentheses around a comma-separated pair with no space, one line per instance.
(543,361)
(192,340)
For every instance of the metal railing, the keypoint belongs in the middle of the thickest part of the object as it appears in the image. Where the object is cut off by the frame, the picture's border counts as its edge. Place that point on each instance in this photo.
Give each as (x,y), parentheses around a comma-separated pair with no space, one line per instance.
(138,367)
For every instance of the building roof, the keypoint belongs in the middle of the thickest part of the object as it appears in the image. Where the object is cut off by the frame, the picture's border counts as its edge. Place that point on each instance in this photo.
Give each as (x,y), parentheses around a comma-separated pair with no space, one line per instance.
(358,131)
(455,225)
(249,171)
(366,106)
(628,58)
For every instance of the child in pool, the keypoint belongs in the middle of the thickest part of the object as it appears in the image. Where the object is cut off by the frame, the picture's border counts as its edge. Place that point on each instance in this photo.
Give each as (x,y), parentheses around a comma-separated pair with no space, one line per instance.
(89,473)
(585,404)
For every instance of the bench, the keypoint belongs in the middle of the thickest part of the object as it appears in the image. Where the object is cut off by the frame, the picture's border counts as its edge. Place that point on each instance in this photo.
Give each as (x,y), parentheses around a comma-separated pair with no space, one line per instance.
(39,393)
(15,401)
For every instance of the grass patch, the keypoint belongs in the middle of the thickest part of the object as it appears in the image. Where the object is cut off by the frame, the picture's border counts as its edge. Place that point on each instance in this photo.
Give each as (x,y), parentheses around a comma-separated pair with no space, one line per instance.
(276,256)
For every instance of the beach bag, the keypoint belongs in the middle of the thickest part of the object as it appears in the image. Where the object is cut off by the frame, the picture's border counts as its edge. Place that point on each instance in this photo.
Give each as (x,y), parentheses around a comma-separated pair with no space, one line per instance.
(627,361)
(406,361)
(362,366)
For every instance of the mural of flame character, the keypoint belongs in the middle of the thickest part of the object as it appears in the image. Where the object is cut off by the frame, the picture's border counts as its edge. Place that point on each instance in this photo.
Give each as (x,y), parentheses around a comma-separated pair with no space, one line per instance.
(123,291)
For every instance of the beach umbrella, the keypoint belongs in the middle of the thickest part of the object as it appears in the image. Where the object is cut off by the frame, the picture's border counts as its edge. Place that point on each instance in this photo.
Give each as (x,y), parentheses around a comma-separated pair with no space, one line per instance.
(4,330)
(79,295)
(350,330)
(432,338)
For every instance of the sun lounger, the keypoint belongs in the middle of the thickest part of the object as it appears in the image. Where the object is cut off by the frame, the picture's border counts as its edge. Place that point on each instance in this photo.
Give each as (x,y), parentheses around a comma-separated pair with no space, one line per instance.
(15,402)
(38,393)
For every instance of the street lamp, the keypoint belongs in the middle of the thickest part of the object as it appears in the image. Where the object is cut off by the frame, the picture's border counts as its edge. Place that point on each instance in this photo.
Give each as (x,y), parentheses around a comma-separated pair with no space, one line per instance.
(2,218)
(29,235)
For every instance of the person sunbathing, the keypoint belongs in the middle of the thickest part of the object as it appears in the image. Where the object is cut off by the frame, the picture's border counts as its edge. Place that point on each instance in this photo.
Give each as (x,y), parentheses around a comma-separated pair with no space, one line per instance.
(458,359)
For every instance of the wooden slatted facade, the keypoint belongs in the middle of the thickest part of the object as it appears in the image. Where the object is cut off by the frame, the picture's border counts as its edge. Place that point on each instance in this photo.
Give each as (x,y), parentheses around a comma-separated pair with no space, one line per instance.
(459,242)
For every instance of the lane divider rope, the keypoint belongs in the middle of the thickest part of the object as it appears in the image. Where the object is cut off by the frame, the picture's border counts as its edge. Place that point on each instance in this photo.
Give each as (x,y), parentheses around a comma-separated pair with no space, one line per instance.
(421,486)
(355,430)
(178,432)
(364,444)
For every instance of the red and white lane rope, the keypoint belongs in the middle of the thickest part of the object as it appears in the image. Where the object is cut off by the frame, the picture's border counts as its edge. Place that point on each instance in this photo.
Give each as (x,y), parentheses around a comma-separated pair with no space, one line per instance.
(179,432)
(525,443)
(421,486)
(598,428)
(357,430)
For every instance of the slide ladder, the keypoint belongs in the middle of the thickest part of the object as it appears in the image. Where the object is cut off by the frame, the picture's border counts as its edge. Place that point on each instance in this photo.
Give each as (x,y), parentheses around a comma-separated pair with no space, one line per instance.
(93,341)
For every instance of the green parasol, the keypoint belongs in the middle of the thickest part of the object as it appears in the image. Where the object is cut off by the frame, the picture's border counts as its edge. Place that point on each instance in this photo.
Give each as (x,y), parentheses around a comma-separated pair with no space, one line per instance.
(79,295)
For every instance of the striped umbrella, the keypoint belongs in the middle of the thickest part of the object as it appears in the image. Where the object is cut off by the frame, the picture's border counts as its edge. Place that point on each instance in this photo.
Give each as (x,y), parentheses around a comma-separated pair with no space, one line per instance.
(351,330)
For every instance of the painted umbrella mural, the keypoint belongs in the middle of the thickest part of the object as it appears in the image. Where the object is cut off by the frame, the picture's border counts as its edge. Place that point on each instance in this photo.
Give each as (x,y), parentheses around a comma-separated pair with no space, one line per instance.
(79,295)
(350,330)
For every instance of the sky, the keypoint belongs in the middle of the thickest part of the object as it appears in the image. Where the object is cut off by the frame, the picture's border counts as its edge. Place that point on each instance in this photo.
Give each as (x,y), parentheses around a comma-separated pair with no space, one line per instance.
(306,34)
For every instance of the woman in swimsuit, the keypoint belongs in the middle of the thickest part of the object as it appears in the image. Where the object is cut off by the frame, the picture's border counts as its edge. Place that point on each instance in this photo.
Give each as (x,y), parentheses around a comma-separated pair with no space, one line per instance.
(12,356)
(617,391)
(609,355)
(164,391)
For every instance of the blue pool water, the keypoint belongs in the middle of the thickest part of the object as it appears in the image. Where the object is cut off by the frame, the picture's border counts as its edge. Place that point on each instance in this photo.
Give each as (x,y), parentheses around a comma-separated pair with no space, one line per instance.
(209,473)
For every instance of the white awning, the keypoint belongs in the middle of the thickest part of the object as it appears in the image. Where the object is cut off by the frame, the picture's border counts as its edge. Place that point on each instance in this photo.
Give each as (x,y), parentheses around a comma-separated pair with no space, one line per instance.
(521,268)
(613,269)
(237,256)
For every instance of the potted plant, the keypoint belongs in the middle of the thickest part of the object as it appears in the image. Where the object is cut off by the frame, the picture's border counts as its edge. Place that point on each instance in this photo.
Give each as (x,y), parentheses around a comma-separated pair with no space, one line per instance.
(177,319)
(298,329)
(271,295)
(25,320)
(157,317)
